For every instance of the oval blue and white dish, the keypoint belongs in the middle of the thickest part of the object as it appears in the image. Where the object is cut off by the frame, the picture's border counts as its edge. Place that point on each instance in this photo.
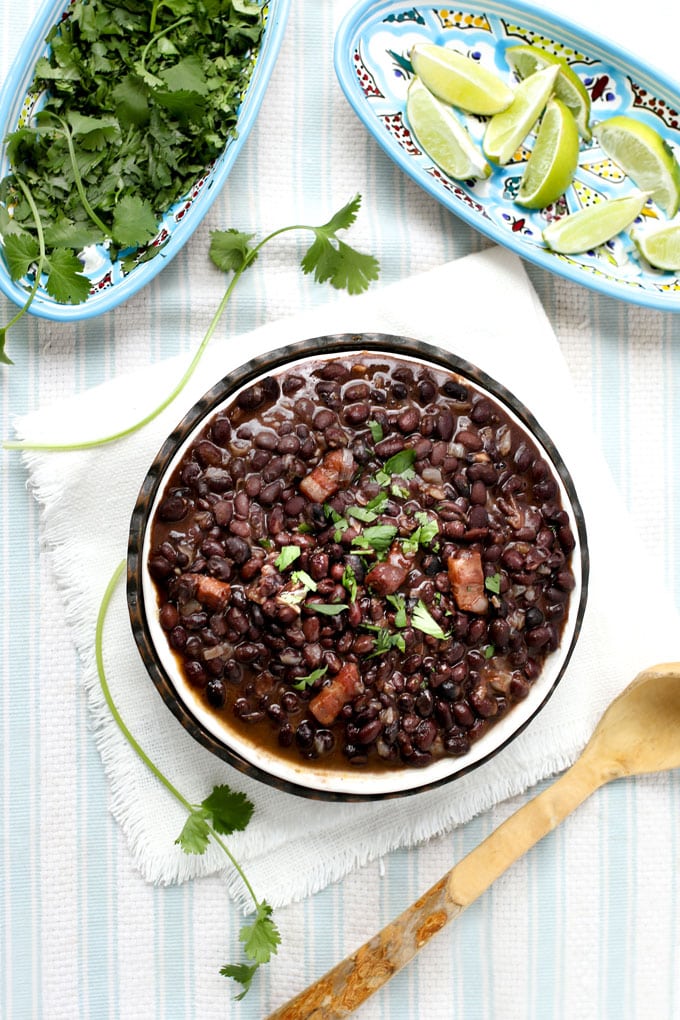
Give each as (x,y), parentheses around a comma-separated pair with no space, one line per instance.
(113,282)
(372,65)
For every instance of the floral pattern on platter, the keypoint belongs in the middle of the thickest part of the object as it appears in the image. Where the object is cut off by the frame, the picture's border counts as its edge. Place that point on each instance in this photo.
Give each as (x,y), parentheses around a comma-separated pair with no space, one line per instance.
(377,44)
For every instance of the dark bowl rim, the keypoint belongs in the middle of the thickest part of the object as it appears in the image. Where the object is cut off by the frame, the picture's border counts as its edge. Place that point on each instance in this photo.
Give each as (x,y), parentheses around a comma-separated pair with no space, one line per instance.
(323,346)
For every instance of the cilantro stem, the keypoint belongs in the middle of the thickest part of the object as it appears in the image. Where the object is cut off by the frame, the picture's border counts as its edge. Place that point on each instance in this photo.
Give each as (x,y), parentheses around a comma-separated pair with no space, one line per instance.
(344,268)
(38,270)
(160,34)
(87,444)
(78,181)
(136,747)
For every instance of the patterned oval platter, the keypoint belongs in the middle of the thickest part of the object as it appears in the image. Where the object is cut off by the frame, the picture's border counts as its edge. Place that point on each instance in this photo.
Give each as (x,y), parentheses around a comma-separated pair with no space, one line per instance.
(113,281)
(372,64)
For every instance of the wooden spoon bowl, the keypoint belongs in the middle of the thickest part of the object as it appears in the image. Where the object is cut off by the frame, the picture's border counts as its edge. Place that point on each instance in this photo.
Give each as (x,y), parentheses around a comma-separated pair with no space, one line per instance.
(639,733)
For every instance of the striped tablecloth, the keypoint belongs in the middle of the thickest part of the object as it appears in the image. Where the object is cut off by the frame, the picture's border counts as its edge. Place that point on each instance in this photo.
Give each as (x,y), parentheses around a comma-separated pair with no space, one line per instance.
(588,924)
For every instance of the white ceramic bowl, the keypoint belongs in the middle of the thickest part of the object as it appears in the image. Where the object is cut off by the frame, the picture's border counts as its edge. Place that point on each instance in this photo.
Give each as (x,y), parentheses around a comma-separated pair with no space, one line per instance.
(311,778)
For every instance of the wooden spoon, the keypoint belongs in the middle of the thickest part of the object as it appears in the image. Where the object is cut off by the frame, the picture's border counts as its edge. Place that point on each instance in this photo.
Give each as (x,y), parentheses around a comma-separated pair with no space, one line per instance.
(639,733)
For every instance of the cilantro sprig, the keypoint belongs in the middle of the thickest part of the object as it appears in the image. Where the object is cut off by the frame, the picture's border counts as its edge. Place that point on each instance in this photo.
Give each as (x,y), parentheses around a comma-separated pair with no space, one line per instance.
(221,813)
(234,252)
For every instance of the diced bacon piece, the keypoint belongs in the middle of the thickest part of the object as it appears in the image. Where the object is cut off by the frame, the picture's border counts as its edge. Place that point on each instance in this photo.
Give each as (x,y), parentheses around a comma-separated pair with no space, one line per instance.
(344,686)
(466,575)
(336,468)
(209,591)
(387,577)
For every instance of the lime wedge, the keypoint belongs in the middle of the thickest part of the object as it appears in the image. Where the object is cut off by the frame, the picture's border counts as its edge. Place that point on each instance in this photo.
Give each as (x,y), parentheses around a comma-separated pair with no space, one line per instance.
(644,156)
(593,225)
(459,80)
(442,136)
(660,247)
(506,131)
(552,162)
(526,60)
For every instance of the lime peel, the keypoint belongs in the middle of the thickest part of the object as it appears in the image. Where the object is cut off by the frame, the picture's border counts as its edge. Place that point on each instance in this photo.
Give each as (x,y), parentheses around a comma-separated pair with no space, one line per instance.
(442,136)
(506,131)
(460,81)
(644,156)
(590,227)
(660,247)
(526,60)
(551,165)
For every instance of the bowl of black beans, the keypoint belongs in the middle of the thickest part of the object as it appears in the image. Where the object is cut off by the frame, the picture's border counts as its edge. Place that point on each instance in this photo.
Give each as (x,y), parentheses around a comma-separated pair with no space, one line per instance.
(357,568)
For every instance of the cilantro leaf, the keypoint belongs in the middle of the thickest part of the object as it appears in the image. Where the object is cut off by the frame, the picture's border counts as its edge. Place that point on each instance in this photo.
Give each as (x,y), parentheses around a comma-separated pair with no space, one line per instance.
(93,132)
(379,538)
(134,221)
(186,75)
(401,463)
(195,835)
(376,430)
(489,651)
(260,939)
(493,583)
(326,608)
(361,513)
(424,534)
(229,809)
(331,259)
(385,640)
(399,604)
(308,681)
(243,973)
(21,251)
(302,577)
(287,556)
(422,620)
(229,249)
(65,281)
(378,503)
(349,581)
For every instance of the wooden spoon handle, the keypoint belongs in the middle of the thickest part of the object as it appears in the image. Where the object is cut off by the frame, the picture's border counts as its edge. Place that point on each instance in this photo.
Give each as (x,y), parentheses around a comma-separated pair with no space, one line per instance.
(339,992)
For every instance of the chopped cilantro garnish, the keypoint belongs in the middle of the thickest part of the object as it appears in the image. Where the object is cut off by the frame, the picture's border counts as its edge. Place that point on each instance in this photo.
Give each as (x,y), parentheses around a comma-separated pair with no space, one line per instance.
(493,583)
(378,503)
(489,652)
(376,430)
(385,640)
(349,581)
(307,681)
(362,513)
(421,619)
(378,538)
(327,609)
(401,464)
(287,556)
(399,604)
(302,577)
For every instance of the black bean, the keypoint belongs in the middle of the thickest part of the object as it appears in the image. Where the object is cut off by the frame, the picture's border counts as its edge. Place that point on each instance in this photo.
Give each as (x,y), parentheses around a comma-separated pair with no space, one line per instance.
(250,398)
(409,420)
(173,508)
(388,447)
(456,391)
(357,414)
(216,692)
(426,391)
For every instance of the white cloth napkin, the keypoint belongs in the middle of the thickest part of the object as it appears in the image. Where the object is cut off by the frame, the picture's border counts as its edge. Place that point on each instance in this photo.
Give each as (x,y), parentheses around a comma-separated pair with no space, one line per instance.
(482,308)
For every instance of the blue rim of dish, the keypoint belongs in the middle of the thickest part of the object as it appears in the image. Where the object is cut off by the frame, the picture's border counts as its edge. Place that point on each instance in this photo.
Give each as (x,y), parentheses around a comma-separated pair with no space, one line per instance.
(12,98)
(156,477)
(368,13)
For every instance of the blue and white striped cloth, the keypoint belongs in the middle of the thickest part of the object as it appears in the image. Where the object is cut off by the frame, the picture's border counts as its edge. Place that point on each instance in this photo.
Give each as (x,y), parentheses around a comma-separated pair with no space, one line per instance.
(588,924)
